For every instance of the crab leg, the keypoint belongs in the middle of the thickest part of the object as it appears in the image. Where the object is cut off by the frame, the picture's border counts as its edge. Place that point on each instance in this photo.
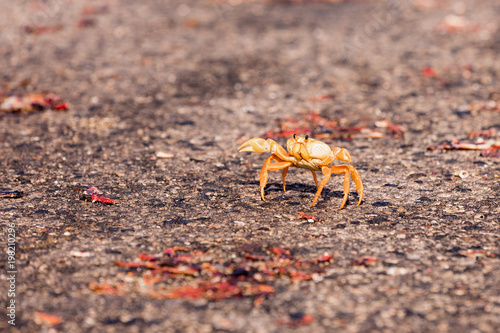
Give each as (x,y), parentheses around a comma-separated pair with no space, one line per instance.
(283,160)
(285,171)
(347,183)
(327,173)
(315,179)
(268,166)
(359,184)
(348,171)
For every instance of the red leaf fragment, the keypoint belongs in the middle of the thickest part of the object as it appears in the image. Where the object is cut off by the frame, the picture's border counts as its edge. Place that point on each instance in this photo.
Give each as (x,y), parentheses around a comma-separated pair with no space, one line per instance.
(490,133)
(171,251)
(486,146)
(185,270)
(298,276)
(145,257)
(137,265)
(91,194)
(42,318)
(33,102)
(428,72)
(11,194)
(255,257)
(280,251)
(104,200)
(309,218)
(324,258)
(490,152)
(365,261)
(60,107)
(258,301)
(395,129)
(105,289)
(184,292)
(215,291)
(477,253)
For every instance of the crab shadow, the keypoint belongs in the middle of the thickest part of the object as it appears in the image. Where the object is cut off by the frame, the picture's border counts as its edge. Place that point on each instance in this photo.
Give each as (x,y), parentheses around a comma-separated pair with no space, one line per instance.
(297,190)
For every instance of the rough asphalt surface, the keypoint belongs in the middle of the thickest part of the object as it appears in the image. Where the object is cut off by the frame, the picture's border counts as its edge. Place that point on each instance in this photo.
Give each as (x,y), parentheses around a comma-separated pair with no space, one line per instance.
(196,79)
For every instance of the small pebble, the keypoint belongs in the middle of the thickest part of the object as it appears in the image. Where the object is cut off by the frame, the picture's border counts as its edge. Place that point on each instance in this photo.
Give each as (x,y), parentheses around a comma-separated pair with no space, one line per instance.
(462,174)
(162,154)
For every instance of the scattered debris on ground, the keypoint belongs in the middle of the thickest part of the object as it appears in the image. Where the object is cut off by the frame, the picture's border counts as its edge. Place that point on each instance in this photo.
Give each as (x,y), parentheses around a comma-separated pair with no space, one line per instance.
(183,273)
(11,194)
(323,128)
(92,194)
(486,140)
(33,102)
(308,218)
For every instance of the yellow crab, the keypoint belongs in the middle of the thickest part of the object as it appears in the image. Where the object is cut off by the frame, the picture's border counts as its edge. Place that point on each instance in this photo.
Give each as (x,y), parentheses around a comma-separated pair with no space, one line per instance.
(305,153)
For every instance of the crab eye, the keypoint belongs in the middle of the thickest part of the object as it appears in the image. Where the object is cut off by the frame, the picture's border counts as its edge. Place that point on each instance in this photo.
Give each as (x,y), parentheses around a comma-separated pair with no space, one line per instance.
(295,136)
(307,136)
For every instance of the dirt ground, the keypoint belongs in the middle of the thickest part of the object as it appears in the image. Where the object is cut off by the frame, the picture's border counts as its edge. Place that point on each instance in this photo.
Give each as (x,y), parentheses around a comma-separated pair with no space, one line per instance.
(196,79)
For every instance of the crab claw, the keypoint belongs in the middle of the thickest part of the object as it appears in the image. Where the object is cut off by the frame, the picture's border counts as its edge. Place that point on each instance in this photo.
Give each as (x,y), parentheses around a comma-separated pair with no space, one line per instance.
(255,145)
(342,154)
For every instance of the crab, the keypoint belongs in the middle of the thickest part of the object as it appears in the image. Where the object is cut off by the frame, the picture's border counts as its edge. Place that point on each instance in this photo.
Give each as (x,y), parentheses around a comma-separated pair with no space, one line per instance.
(305,153)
